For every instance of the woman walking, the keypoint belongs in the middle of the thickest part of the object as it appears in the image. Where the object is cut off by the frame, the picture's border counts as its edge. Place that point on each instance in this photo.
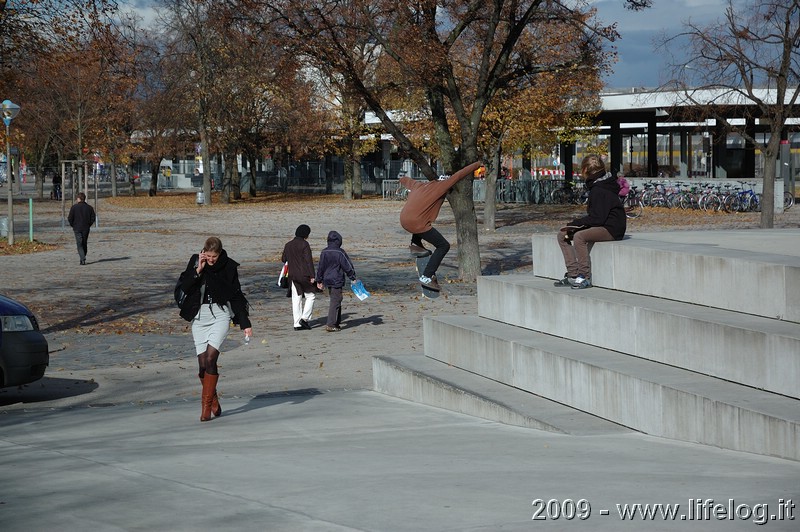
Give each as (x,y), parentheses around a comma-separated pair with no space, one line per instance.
(302,285)
(211,284)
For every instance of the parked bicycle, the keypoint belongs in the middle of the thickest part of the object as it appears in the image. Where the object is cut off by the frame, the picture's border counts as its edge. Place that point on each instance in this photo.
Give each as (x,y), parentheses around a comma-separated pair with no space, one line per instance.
(742,199)
(788,200)
(572,195)
(632,203)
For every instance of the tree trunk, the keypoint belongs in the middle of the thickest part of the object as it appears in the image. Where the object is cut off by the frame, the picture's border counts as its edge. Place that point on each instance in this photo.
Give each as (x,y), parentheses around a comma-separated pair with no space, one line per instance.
(154,170)
(328,175)
(206,164)
(768,190)
(469,259)
(131,180)
(490,201)
(113,173)
(349,170)
(251,167)
(39,169)
(227,177)
(235,176)
(358,188)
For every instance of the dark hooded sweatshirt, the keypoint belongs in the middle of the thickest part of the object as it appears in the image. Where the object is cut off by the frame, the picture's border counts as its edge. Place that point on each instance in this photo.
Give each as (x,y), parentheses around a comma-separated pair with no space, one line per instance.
(334,263)
(604,208)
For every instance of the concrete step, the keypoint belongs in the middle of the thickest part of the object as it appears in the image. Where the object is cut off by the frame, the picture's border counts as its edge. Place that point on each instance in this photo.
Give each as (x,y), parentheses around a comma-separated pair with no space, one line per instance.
(751,271)
(654,398)
(425,380)
(752,350)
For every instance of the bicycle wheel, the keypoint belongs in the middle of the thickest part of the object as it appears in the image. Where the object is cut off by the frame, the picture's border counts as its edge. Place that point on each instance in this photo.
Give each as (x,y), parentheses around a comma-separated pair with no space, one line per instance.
(754,203)
(673,200)
(711,202)
(633,207)
(560,196)
(788,200)
(749,203)
(725,200)
(658,200)
(733,203)
(686,201)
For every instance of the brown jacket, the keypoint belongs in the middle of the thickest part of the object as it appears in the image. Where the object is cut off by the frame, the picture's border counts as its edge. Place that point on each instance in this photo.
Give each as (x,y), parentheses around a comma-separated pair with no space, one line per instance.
(425,199)
(297,252)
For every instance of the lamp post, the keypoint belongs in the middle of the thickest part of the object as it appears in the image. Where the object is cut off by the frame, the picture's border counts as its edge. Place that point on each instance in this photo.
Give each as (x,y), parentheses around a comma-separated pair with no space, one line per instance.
(10,111)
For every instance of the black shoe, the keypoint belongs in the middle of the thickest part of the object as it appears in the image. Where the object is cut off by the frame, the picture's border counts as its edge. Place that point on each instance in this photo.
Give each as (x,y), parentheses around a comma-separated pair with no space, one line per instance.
(566,281)
(83,263)
(304,324)
(418,251)
(298,328)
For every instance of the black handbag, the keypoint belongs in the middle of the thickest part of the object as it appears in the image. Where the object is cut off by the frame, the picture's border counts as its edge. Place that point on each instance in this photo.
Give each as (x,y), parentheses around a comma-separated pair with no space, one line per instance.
(180,295)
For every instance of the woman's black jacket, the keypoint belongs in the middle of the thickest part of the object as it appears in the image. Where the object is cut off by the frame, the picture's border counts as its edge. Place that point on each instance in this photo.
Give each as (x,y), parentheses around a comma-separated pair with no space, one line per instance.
(604,208)
(222,283)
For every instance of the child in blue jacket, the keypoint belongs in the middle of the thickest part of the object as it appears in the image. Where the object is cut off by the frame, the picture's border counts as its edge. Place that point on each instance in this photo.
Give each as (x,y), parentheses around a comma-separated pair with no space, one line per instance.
(334,264)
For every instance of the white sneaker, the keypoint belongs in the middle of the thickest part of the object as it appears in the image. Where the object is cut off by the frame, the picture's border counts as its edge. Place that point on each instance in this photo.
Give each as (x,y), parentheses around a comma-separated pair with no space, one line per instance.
(582,282)
(429,282)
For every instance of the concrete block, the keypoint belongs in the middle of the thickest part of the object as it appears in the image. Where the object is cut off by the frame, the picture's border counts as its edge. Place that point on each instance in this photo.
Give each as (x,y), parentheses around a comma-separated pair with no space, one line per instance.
(752,350)
(755,272)
(428,381)
(655,398)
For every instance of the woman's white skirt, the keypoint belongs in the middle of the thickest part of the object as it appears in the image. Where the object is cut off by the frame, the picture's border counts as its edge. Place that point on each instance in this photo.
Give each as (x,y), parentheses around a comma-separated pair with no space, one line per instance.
(210,327)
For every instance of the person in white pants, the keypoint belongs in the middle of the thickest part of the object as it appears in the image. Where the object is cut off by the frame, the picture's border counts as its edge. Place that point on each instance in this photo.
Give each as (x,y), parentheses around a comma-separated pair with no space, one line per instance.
(297,252)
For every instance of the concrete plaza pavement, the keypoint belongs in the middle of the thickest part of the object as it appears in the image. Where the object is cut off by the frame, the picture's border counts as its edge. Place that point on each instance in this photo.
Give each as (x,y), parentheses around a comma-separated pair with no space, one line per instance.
(358,460)
(110,439)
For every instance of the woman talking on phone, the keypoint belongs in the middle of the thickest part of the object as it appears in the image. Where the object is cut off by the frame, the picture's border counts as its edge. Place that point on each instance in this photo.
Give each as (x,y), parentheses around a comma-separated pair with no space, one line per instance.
(214,298)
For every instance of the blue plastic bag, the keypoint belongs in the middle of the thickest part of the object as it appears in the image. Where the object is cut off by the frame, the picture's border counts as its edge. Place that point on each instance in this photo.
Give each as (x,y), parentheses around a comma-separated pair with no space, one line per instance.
(359,290)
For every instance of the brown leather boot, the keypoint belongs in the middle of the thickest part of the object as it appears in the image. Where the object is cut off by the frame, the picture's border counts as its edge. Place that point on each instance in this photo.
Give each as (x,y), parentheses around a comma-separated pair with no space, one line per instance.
(209,385)
(216,409)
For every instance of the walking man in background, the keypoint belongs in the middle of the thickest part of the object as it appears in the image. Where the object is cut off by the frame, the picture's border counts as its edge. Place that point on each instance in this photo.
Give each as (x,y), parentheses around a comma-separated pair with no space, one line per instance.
(81,217)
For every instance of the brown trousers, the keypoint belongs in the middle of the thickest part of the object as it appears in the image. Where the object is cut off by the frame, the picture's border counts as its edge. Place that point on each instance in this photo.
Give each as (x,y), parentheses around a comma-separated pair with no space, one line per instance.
(576,254)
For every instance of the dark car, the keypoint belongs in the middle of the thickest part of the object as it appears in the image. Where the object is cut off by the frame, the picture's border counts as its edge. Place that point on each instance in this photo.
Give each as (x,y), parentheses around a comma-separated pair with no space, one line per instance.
(24,353)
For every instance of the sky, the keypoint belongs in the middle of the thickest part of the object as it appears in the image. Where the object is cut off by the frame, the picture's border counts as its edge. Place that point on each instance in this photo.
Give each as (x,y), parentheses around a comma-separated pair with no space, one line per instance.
(638,64)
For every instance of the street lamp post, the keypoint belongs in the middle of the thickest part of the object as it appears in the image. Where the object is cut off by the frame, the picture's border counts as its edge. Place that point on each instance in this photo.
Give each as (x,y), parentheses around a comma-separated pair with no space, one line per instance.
(10,111)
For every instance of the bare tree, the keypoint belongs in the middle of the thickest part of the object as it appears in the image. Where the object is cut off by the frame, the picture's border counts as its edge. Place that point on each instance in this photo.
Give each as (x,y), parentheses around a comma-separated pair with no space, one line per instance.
(749,61)
(452,57)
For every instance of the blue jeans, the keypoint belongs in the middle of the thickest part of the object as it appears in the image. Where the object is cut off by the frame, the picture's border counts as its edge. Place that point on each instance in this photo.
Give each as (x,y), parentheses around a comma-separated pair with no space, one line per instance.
(441,247)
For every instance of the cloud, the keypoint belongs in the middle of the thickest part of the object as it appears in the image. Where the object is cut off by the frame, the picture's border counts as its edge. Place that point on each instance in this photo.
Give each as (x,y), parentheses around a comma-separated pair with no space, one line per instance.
(638,63)
(143,9)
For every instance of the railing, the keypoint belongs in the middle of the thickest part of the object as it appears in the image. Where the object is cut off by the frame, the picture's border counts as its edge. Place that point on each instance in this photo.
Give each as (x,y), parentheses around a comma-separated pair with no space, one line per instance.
(518,190)
(506,190)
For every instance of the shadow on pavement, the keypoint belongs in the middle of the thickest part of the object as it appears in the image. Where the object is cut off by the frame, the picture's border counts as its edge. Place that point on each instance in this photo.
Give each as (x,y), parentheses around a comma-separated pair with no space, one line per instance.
(115,259)
(375,319)
(272,398)
(45,389)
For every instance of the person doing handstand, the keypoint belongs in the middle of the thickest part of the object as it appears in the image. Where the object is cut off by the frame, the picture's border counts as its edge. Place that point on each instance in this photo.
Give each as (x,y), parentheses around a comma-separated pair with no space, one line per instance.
(425,199)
